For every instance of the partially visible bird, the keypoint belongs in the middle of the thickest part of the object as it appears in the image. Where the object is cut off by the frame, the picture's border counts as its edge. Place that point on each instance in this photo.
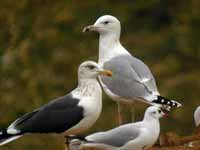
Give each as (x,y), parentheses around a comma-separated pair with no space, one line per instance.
(134,136)
(132,78)
(73,113)
(197,116)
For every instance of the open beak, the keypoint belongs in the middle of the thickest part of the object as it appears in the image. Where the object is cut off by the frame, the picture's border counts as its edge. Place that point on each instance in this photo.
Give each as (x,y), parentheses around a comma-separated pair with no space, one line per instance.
(165,115)
(105,72)
(90,28)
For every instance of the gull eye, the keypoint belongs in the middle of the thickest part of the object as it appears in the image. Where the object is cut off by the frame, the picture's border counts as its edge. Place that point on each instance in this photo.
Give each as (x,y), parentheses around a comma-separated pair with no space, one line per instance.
(105,22)
(159,111)
(91,67)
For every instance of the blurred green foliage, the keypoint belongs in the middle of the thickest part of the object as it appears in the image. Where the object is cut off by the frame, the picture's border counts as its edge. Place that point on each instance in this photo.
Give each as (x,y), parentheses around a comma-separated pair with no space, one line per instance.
(41,46)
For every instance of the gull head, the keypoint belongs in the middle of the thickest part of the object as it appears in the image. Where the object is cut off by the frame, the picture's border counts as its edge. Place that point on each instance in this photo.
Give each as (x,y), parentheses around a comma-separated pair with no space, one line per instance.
(90,69)
(106,24)
(154,112)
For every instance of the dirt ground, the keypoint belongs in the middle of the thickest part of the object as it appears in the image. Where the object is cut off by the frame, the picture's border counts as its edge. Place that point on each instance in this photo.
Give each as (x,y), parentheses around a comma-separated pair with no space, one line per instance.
(172,141)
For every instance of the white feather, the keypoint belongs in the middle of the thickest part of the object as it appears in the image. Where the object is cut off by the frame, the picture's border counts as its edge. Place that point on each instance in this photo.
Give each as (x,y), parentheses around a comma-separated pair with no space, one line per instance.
(10,139)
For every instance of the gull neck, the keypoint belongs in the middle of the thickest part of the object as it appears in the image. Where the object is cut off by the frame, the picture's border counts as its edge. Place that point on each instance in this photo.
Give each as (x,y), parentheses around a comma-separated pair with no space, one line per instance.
(87,87)
(85,82)
(109,47)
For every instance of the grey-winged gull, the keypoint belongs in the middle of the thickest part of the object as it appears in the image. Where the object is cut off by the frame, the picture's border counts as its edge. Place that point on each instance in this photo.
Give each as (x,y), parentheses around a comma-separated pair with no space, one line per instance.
(73,113)
(134,136)
(197,116)
(132,78)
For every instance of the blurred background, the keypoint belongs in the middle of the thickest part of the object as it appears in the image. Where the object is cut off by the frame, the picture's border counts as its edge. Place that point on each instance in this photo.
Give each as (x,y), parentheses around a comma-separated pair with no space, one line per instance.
(42,44)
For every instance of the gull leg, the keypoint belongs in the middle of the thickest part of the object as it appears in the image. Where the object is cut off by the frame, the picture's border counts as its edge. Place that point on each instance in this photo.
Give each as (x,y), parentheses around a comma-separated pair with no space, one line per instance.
(67,143)
(119,111)
(132,111)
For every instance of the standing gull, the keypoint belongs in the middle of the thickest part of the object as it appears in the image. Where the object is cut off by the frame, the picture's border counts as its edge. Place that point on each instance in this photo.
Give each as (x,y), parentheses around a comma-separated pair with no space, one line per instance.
(132,78)
(134,136)
(73,113)
(197,116)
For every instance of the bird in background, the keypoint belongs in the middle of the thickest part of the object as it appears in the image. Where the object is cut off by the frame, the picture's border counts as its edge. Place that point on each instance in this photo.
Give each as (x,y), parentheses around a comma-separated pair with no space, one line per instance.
(133,136)
(71,114)
(197,116)
(132,79)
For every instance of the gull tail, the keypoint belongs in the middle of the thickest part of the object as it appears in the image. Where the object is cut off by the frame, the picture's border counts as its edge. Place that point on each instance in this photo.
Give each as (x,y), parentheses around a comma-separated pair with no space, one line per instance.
(6,138)
(165,101)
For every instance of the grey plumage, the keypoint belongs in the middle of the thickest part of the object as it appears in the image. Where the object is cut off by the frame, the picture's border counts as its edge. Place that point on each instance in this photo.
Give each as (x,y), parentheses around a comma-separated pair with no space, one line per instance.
(117,136)
(128,75)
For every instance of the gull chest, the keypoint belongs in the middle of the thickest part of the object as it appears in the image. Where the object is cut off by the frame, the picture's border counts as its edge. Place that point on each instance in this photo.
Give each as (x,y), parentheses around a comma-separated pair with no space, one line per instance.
(92,105)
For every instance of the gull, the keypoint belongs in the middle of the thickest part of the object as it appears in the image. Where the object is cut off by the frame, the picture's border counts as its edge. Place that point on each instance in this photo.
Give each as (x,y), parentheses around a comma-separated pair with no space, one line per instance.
(133,136)
(132,78)
(197,116)
(71,114)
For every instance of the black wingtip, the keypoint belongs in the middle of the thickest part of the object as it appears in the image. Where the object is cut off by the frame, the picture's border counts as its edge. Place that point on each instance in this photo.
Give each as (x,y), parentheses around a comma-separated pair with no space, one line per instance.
(165,101)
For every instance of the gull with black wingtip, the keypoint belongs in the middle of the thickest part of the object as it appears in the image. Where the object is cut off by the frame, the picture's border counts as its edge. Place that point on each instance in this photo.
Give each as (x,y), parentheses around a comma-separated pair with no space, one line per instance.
(132,78)
(71,114)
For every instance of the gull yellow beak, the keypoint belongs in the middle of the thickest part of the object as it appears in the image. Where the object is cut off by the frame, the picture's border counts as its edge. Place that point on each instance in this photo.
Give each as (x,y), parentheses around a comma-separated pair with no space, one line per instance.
(105,73)
(89,28)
